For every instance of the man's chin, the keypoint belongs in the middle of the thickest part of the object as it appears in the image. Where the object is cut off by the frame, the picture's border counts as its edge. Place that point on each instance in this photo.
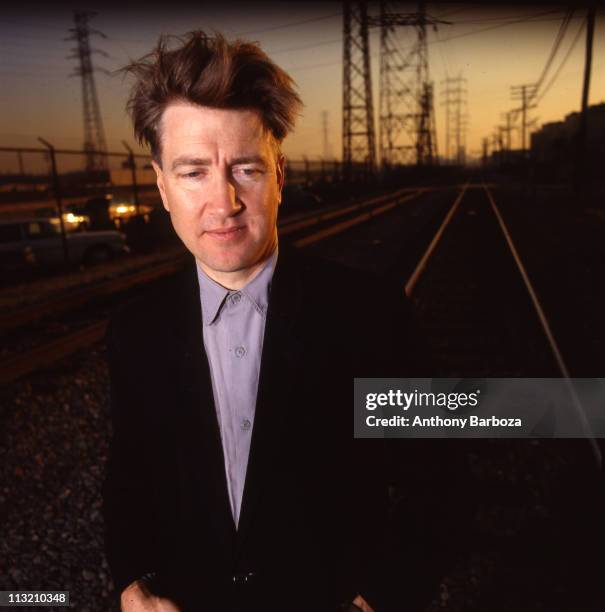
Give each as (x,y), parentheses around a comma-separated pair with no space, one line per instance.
(226,265)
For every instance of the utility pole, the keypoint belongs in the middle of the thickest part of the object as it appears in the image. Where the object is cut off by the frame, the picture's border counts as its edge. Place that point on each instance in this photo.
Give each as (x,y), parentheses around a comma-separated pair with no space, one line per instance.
(94,135)
(20,160)
(498,144)
(327,147)
(579,171)
(507,129)
(358,135)
(133,175)
(485,146)
(524,93)
(446,102)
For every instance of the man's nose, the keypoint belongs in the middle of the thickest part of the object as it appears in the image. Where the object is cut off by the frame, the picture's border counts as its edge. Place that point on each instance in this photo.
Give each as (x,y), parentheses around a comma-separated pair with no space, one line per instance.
(224,200)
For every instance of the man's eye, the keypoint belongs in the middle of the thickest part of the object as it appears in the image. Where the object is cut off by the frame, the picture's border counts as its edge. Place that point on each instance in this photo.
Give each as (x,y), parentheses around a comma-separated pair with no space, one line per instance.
(192,175)
(249,172)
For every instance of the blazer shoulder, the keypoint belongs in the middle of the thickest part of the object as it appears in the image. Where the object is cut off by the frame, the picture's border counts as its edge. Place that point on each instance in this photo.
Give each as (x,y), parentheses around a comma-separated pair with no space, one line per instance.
(320,271)
(332,282)
(142,318)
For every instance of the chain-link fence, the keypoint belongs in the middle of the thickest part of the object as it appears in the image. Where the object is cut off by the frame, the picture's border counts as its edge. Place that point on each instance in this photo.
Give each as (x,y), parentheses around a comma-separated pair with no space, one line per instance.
(83,190)
(46,181)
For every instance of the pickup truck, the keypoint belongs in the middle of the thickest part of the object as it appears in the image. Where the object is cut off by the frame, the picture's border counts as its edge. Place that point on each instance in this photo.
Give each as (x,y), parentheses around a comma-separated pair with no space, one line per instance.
(37,242)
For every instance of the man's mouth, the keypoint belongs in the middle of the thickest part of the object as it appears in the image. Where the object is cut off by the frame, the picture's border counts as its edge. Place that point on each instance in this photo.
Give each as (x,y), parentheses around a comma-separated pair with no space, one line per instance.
(225,234)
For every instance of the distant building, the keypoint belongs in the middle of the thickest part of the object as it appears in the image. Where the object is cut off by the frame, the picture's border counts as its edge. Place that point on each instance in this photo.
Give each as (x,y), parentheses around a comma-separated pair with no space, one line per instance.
(553,148)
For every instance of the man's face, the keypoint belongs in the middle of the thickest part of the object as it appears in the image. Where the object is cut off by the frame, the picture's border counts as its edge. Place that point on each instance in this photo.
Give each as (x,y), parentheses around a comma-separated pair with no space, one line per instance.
(221,182)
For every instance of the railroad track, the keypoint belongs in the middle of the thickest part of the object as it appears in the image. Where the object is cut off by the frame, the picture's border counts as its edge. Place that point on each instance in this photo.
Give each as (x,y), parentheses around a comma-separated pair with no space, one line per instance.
(303,232)
(482,301)
(313,227)
(467,333)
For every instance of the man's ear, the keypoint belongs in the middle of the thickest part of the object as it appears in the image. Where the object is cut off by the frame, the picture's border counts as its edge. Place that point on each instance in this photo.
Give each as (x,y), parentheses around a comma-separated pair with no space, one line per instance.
(160,183)
(281,175)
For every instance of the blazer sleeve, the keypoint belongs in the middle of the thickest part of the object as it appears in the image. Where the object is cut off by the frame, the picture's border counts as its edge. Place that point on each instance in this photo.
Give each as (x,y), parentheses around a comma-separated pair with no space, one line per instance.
(129,491)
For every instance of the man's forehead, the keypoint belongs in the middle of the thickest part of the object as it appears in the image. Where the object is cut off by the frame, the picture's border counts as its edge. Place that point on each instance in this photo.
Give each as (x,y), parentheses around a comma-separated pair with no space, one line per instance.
(206,125)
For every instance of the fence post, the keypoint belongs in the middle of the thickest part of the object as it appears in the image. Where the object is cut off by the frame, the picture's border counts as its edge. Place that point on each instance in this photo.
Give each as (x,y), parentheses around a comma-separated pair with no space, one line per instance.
(307,171)
(57,190)
(133,170)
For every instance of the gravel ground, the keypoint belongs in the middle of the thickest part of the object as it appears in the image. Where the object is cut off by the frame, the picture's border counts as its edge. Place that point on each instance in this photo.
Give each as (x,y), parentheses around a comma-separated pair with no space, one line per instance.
(54,439)
(55,431)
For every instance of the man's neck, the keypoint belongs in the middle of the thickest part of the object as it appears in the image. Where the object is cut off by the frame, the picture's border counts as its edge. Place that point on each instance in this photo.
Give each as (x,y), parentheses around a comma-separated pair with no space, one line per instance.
(238,279)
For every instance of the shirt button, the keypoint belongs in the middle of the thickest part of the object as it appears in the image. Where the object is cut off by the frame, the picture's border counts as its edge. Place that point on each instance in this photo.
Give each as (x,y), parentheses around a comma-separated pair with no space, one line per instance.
(246,424)
(240,351)
(236,298)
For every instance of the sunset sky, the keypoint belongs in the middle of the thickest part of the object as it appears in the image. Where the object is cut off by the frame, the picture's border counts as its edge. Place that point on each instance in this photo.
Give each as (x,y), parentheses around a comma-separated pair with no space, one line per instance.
(493,49)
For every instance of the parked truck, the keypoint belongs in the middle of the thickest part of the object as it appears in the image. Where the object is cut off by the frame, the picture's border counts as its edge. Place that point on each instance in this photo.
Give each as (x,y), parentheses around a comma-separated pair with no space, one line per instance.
(31,242)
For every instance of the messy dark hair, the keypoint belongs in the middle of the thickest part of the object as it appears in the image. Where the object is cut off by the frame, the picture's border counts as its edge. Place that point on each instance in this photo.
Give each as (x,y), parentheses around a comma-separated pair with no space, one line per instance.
(209,71)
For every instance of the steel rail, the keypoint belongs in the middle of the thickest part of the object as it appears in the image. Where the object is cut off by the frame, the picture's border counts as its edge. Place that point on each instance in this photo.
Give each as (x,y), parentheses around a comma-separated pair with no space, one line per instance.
(546,328)
(421,266)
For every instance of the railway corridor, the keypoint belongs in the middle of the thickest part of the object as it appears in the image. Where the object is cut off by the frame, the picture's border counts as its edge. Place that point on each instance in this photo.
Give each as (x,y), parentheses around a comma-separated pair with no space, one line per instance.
(530,504)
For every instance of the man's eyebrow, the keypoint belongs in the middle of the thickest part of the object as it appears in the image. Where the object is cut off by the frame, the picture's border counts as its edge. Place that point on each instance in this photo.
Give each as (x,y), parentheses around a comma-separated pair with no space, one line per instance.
(191,161)
(205,161)
(248,159)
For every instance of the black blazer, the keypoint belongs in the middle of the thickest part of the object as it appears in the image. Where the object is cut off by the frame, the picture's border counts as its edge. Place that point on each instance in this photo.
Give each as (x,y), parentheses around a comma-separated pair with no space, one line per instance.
(313,524)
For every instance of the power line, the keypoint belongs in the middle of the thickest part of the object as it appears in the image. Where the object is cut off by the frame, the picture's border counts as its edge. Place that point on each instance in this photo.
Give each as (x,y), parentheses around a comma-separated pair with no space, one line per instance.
(35,65)
(250,32)
(506,18)
(32,53)
(533,91)
(38,75)
(455,12)
(31,37)
(309,46)
(409,48)
(500,25)
(32,25)
(563,62)
(290,24)
(18,43)
(555,48)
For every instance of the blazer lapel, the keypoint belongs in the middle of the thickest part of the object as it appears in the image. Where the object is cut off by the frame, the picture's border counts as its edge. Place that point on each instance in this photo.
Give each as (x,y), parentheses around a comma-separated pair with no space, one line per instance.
(278,366)
(202,460)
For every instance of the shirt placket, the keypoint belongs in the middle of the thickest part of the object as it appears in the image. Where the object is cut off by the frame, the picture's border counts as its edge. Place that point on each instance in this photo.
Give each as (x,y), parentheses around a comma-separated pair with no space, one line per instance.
(237,385)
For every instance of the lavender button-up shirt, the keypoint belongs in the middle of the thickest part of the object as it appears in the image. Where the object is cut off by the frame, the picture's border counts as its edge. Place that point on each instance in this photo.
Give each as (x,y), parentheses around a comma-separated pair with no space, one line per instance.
(233,330)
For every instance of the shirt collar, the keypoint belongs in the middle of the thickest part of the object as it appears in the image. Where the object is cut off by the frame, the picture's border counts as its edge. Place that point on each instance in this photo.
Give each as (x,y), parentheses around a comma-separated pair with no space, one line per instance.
(213,295)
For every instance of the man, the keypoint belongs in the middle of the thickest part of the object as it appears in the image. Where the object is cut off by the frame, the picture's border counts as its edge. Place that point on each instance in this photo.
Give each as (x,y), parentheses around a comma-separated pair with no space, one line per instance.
(234,481)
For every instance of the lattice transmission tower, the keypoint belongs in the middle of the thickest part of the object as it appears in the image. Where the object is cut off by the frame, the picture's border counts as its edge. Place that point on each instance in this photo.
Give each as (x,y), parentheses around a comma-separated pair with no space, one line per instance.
(94,135)
(358,136)
(456,116)
(407,116)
